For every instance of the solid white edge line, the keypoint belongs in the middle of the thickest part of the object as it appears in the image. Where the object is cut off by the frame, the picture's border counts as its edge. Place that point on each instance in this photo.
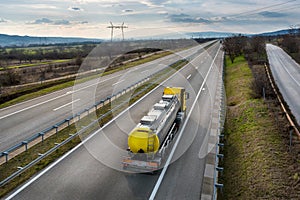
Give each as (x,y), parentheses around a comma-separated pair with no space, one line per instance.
(88,138)
(159,181)
(35,105)
(286,69)
(147,70)
(118,82)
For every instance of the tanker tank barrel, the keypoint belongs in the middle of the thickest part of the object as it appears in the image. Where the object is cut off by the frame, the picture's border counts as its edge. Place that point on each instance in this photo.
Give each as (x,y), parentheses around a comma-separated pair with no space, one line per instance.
(156,129)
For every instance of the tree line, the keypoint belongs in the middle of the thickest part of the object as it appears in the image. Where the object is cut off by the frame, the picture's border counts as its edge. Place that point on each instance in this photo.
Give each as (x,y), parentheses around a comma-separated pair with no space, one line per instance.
(7,55)
(253,48)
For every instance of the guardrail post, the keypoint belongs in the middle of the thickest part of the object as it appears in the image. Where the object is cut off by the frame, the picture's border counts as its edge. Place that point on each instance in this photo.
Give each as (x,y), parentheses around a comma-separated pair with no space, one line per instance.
(220,156)
(219,186)
(220,169)
(68,120)
(221,144)
(6,156)
(42,134)
(26,145)
(102,101)
(56,128)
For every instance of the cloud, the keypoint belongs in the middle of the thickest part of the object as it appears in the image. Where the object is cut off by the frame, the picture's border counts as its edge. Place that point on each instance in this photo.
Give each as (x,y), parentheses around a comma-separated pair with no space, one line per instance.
(42,21)
(84,22)
(49,21)
(127,10)
(153,3)
(221,19)
(162,12)
(184,18)
(62,22)
(271,14)
(2,20)
(75,9)
(40,6)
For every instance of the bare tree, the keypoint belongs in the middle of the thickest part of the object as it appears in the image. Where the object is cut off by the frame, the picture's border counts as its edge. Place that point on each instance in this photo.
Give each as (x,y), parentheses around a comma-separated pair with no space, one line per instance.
(234,46)
(289,42)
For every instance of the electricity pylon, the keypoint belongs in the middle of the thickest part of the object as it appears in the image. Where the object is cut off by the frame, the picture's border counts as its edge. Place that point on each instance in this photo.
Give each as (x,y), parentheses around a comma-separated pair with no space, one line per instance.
(118,27)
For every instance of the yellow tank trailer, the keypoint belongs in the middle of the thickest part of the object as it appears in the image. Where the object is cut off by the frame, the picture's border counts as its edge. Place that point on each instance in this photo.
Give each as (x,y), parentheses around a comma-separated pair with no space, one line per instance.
(150,135)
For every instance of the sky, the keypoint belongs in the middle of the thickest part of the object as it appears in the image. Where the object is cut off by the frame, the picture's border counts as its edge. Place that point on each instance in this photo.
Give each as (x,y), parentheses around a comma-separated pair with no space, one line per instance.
(90,18)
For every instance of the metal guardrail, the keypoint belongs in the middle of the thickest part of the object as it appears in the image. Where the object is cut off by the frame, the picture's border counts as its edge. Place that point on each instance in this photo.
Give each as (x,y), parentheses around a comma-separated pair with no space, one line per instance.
(220,136)
(67,120)
(292,124)
(42,156)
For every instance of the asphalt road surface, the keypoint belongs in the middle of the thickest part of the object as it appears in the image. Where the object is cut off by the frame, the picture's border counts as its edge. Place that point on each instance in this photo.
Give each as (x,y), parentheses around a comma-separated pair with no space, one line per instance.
(21,121)
(286,73)
(93,169)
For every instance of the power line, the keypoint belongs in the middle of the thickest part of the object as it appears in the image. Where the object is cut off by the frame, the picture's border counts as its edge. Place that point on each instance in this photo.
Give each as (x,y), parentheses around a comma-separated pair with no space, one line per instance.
(260,9)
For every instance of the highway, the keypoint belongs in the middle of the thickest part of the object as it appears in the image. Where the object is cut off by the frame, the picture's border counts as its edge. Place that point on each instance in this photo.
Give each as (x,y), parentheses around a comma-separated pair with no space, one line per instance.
(21,121)
(92,170)
(286,73)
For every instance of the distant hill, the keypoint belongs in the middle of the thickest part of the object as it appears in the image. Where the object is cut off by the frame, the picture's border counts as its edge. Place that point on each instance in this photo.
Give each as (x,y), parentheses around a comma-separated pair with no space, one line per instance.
(16,40)
(280,32)
(226,34)
(210,34)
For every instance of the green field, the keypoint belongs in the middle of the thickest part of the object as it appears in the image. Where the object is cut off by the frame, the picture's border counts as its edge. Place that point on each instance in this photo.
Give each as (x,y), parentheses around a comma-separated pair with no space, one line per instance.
(36,64)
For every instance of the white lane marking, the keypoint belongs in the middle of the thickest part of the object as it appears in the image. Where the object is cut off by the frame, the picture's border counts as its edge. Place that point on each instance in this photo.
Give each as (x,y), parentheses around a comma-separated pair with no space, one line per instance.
(276,53)
(286,69)
(145,71)
(27,108)
(73,91)
(66,105)
(118,82)
(189,76)
(196,67)
(88,138)
(67,93)
(161,176)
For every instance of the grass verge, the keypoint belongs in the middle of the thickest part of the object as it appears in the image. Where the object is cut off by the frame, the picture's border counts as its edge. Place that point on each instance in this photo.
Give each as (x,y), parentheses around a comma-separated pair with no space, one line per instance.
(256,162)
(32,153)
